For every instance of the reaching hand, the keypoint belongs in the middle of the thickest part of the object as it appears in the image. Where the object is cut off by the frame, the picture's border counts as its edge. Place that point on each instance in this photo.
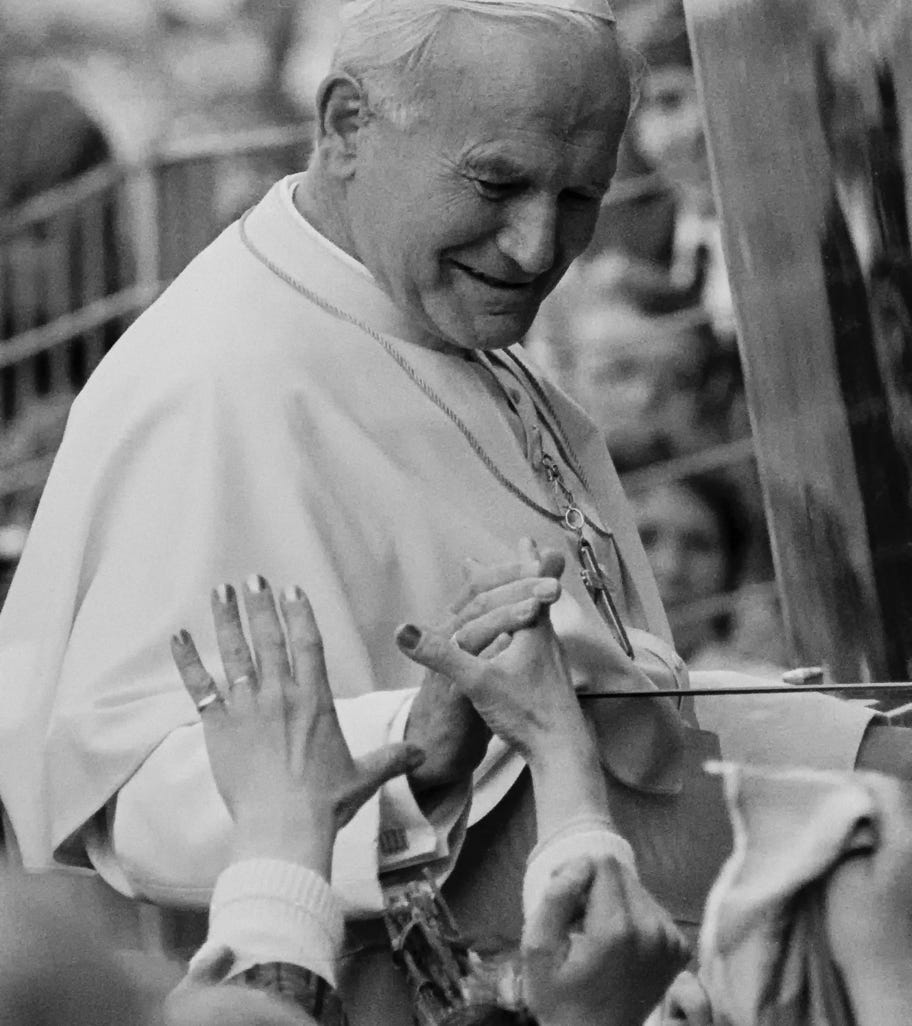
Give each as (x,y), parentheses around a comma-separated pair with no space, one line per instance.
(520,687)
(280,761)
(598,949)
(494,602)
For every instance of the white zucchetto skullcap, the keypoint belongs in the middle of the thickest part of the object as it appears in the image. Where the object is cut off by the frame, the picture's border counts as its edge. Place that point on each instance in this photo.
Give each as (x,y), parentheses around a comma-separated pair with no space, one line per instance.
(596,8)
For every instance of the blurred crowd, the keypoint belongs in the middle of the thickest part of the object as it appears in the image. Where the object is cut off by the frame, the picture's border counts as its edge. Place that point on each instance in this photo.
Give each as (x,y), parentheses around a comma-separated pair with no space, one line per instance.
(642,334)
(641,331)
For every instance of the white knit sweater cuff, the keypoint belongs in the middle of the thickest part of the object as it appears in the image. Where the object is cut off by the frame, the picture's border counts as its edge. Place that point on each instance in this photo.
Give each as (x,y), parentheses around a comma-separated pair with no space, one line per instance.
(269,910)
(589,837)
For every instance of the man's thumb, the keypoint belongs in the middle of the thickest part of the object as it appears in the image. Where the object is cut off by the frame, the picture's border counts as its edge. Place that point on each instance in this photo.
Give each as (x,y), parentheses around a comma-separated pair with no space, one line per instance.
(375,768)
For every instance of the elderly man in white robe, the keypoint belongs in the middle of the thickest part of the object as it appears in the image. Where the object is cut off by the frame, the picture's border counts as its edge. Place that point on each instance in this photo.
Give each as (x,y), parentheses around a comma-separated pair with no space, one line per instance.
(331,393)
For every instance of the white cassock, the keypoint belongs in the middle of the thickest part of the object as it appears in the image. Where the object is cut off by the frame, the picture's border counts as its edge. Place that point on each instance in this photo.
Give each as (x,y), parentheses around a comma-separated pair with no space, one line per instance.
(274,412)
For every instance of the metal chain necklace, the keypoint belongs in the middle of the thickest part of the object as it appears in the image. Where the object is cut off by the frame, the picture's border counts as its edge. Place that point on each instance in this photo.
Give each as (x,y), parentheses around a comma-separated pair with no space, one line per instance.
(591,572)
(557,433)
(571,518)
(413,374)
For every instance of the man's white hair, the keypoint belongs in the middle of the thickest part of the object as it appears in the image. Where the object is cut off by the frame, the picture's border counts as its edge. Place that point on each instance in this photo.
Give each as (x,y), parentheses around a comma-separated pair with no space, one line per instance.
(388,45)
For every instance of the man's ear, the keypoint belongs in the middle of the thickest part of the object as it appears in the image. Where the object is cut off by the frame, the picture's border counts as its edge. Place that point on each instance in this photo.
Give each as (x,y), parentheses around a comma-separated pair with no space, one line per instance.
(341,112)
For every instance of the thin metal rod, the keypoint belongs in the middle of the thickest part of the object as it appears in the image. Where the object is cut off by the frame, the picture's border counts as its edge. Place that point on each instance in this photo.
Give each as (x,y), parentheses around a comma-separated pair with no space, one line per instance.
(777,689)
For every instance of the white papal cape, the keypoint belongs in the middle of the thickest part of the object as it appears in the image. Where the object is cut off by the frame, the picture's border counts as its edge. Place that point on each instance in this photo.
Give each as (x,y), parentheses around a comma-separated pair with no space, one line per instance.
(242,425)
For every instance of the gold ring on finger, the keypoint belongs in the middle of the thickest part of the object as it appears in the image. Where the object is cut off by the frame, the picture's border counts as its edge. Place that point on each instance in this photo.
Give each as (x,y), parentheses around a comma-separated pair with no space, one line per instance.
(245,678)
(212,695)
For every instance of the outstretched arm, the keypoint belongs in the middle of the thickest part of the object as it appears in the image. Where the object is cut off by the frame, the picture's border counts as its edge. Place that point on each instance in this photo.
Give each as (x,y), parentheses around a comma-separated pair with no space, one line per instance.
(284,772)
(520,687)
(598,949)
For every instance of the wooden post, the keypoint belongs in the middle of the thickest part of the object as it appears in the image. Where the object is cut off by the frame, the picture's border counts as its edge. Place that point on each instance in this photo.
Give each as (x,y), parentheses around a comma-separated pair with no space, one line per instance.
(808,110)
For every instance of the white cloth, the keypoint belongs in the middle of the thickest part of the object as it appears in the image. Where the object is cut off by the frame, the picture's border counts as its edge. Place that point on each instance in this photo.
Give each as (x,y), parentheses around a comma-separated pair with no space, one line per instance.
(766,949)
(239,426)
(269,910)
(576,839)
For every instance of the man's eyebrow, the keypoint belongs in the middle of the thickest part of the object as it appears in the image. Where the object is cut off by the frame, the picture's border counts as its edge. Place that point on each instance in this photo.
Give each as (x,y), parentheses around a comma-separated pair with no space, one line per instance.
(493,167)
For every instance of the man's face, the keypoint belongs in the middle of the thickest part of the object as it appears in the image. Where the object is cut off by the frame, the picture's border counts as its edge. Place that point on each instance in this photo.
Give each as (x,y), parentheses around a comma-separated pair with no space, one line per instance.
(469,217)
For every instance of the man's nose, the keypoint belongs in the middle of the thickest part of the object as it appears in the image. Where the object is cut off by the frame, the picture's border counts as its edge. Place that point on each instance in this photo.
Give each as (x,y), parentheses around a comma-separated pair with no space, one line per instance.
(529,237)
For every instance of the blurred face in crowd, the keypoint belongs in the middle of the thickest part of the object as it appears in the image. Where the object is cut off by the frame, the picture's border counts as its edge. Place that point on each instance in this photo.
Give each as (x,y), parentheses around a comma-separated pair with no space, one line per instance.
(684,543)
(639,381)
(668,127)
(469,216)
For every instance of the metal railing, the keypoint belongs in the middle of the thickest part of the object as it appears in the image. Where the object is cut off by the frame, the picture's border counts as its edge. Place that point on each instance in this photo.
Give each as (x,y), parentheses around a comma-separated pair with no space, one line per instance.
(79,262)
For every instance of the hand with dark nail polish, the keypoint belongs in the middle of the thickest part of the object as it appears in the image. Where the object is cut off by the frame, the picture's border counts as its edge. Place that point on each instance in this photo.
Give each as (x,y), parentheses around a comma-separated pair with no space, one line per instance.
(493,602)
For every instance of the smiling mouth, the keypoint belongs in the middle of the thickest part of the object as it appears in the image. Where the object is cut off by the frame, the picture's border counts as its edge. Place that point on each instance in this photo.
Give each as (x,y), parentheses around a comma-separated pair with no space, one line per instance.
(496,283)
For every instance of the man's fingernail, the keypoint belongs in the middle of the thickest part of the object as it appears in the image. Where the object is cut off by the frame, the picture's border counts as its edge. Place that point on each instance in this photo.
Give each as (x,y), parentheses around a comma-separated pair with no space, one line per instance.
(183,637)
(546,588)
(293,593)
(408,636)
(225,594)
(256,583)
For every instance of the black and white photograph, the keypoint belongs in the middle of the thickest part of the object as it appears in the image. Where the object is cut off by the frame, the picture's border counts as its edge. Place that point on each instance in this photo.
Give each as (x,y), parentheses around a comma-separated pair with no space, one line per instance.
(455,512)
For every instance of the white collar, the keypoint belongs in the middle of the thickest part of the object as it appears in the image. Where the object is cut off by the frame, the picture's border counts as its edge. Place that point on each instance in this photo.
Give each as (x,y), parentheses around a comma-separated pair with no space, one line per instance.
(288,187)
